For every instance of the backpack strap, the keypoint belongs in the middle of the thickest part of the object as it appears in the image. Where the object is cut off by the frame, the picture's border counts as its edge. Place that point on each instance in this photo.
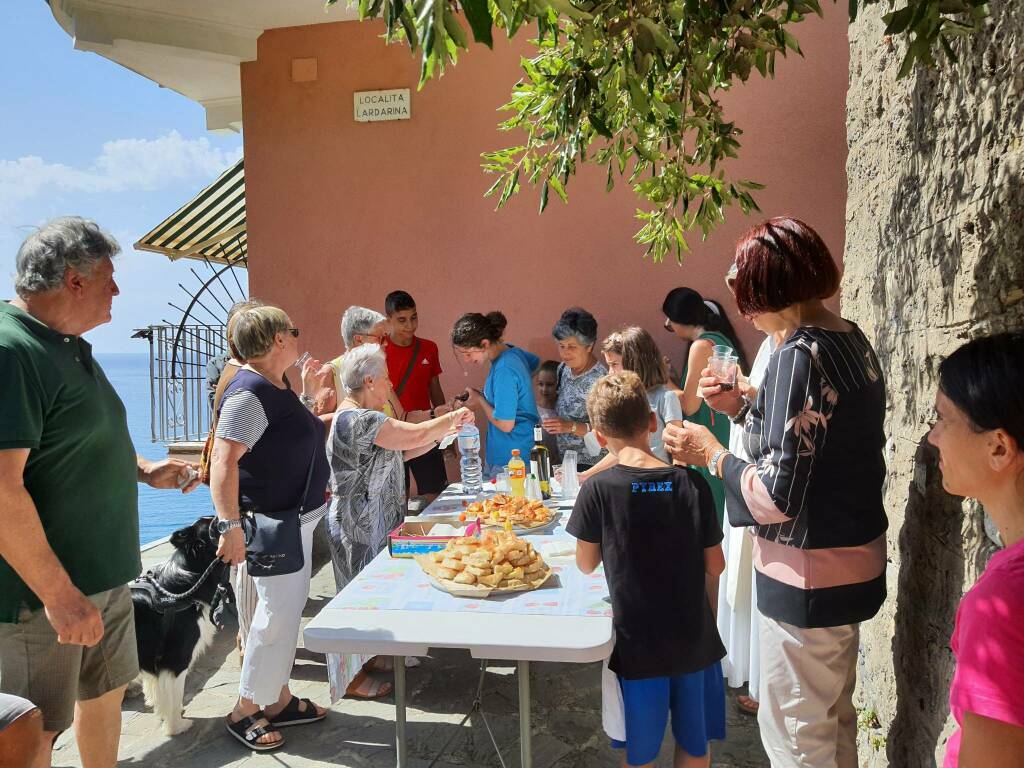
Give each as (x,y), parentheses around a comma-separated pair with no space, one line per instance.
(408,371)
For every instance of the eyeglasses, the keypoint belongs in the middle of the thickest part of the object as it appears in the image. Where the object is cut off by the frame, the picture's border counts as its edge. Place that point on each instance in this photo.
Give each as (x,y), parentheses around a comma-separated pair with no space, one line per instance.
(667,325)
(294,332)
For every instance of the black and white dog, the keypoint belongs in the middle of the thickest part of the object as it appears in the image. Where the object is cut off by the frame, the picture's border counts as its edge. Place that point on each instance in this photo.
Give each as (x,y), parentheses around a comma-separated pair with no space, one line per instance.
(177,613)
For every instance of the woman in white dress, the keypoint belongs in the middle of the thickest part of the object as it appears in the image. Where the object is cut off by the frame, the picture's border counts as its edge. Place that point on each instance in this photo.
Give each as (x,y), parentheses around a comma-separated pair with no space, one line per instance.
(737,599)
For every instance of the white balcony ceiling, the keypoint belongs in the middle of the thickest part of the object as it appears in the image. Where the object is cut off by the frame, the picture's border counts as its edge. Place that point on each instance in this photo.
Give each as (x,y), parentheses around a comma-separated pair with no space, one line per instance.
(193,47)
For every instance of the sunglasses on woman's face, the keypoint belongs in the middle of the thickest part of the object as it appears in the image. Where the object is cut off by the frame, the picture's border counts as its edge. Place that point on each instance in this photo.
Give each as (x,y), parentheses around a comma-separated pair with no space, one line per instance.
(294,332)
(667,325)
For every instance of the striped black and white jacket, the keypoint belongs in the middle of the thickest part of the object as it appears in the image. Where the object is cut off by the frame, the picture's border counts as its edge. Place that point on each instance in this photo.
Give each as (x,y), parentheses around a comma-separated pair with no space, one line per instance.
(814,492)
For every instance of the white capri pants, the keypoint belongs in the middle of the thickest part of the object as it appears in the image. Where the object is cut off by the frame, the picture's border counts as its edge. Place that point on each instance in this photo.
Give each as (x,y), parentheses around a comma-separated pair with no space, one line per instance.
(274,633)
(807,718)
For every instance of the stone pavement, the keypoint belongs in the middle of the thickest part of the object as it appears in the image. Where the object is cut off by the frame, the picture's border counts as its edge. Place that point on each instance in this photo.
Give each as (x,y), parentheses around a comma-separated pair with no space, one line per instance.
(359,734)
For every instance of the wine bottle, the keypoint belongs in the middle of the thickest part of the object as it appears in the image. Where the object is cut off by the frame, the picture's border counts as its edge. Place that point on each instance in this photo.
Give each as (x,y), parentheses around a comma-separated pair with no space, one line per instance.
(540,462)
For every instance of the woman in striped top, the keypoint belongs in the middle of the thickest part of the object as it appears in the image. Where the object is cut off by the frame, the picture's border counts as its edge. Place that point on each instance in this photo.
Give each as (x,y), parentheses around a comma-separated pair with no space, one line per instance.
(813,494)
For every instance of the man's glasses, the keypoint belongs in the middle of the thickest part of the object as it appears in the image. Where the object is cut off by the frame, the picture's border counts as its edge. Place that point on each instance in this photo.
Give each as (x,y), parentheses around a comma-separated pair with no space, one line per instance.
(294,332)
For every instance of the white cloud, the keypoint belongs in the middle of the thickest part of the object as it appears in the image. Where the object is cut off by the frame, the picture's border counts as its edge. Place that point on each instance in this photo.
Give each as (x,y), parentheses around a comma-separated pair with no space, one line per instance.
(122,165)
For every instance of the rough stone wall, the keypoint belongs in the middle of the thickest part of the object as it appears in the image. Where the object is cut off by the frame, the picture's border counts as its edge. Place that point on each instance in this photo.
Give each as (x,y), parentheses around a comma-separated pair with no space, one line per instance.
(934,256)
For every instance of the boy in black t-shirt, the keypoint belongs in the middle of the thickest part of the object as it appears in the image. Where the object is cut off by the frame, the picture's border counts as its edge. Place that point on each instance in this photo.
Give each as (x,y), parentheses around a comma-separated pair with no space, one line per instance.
(656,530)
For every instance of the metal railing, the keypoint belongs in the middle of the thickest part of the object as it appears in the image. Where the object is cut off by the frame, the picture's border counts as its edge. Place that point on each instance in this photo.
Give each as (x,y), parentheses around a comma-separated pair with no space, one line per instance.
(179,398)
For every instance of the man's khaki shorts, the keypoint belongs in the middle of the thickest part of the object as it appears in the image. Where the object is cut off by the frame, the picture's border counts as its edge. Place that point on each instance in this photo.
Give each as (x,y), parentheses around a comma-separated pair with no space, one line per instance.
(54,676)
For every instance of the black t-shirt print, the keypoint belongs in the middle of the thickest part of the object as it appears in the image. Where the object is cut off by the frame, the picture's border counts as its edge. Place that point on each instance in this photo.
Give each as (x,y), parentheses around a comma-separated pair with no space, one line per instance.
(653,526)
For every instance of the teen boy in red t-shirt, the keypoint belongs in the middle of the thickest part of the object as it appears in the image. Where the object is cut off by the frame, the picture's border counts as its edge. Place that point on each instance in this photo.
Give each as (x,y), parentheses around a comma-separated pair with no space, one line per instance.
(414,370)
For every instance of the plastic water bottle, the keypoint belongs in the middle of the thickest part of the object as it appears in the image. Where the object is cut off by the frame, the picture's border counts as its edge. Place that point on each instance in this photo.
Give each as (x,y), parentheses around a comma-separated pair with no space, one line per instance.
(469,447)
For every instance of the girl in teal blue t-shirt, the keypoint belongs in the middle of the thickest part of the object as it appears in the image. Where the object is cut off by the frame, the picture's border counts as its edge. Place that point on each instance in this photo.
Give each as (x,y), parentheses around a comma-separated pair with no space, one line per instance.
(507,399)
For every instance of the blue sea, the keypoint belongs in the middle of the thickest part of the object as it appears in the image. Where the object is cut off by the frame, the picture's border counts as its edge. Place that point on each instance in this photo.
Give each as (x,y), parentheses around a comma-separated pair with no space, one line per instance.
(160,511)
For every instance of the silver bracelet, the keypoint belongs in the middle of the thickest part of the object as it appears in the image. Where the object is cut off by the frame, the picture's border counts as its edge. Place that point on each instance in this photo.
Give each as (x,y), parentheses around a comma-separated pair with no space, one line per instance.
(715,458)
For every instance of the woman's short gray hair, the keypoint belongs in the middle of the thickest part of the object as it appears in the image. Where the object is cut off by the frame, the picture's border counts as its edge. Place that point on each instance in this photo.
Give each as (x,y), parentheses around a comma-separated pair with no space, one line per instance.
(359,364)
(357,321)
(576,323)
(68,242)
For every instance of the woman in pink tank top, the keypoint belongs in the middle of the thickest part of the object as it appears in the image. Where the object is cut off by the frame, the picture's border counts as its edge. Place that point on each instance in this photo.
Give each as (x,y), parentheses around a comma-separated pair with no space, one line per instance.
(980,436)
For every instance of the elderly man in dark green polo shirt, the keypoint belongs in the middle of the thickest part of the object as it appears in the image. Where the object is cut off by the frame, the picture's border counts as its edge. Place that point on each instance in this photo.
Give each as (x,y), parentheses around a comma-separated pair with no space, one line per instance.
(69,532)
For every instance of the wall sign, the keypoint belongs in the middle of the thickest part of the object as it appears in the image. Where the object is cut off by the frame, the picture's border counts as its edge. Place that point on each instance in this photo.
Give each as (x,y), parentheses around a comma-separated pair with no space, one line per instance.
(375,106)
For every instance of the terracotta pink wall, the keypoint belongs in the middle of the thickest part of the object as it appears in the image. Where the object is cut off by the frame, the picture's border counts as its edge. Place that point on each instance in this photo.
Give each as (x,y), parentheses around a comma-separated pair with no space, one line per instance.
(341,212)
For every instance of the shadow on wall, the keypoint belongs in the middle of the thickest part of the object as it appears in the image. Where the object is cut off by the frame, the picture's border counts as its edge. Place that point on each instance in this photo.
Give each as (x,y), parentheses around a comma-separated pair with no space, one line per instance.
(930,583)
(960,204)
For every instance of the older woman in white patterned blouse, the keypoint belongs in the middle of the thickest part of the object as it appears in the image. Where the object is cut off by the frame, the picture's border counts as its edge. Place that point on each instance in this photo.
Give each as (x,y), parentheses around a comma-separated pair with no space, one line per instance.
(366,450)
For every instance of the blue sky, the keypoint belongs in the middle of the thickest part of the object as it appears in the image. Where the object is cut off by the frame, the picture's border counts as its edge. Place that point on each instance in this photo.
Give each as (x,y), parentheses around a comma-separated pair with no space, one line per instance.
(82,135)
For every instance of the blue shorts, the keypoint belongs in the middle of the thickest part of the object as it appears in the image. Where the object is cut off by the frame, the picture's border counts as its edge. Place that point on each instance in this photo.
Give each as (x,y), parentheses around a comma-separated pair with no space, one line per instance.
(697,704)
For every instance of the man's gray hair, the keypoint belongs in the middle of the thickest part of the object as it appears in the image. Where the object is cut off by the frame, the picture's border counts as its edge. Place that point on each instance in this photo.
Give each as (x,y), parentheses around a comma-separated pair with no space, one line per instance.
(359,364)
(358,321)
(68,242)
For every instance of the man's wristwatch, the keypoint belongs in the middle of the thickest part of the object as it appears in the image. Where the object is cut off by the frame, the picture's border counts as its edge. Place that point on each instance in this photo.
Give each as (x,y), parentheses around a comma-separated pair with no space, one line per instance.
(573,428)
(223,526)
(715,458)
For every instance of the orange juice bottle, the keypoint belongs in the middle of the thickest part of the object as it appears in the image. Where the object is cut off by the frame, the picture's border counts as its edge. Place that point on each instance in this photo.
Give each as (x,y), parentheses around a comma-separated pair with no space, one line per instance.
(517,474)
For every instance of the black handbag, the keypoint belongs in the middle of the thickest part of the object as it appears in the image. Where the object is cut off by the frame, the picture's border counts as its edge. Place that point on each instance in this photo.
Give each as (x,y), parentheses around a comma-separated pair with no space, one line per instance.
(274,547)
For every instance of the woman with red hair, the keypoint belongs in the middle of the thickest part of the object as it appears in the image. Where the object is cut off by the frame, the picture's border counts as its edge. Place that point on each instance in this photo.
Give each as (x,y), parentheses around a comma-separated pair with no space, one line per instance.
(812,494)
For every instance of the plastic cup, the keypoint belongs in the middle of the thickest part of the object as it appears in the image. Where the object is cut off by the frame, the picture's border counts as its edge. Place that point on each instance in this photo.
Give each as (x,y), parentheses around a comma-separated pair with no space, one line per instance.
(724,369)
(301,361)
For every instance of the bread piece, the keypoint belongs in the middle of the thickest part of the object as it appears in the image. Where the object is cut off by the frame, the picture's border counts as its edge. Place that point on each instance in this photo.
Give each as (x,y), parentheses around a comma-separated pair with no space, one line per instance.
(453,564)
(478,571)
(535,567)
(465,578)
(480,557)
(524,560)
(437,557)
(464,549)
(503,568)
(514,583)
(444,573)
(515,573)
(491,580)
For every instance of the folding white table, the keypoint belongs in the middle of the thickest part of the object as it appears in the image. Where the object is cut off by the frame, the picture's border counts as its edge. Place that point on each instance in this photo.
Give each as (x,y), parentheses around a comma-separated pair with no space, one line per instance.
(399,633)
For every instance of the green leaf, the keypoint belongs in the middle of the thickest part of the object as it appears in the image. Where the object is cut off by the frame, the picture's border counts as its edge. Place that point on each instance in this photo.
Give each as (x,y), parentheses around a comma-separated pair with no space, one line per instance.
(898,21)
(637,96)
(661,39)
(948,49)
(478,14)
(567,9)
(454,29)
(505,7)
(557,185)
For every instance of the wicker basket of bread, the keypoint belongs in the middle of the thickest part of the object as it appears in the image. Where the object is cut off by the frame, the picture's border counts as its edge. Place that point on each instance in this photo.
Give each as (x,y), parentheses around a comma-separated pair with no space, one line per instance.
(496,563)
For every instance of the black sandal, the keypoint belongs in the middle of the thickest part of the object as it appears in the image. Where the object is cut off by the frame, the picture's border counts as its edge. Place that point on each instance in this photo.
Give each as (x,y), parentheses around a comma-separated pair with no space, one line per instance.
(292,715)
(247,732)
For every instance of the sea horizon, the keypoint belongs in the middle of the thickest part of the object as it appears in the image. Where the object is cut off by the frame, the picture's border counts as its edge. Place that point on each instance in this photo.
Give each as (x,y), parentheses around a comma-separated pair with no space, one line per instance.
(161,512)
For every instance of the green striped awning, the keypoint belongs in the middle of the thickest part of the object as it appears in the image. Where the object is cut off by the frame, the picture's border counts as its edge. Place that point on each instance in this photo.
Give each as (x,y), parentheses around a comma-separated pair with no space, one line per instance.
(209,226)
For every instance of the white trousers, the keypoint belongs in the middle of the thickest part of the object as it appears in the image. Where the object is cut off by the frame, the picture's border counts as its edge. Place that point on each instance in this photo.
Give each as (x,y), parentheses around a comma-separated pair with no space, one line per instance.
(274,632)
(808,676)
